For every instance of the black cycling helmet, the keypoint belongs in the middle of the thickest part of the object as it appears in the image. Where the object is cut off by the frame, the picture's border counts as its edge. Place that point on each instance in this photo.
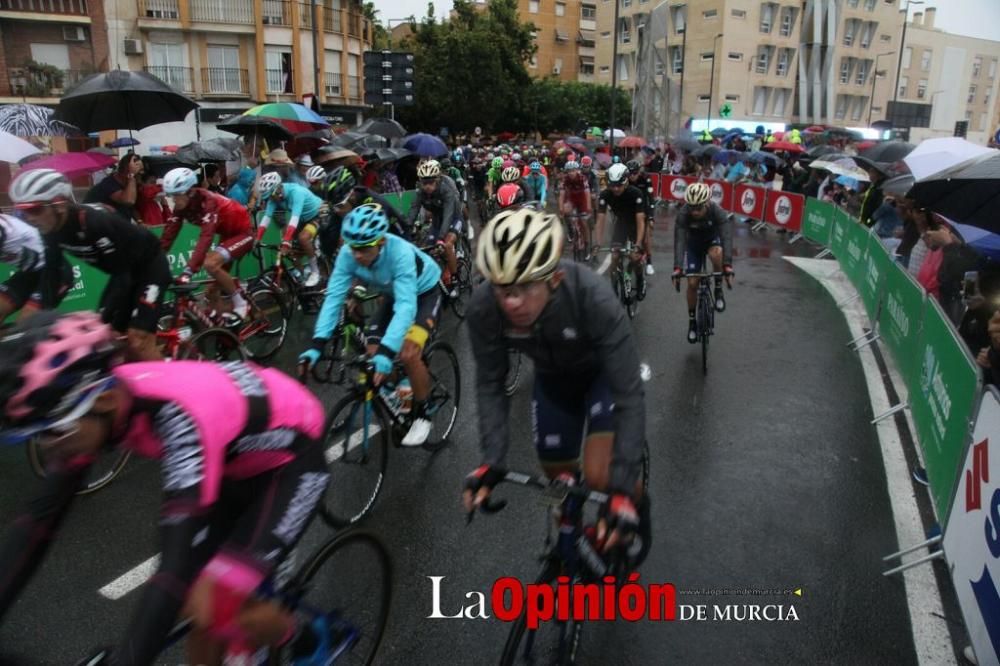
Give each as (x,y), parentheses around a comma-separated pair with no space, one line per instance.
(339,184)
(633,166)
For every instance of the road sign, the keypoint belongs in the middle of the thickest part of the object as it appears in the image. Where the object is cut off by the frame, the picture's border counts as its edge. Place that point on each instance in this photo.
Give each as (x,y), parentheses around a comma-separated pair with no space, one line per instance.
(726,110)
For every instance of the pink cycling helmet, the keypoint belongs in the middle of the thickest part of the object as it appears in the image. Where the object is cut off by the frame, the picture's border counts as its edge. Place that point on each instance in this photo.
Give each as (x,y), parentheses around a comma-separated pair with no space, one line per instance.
(53,366)
(508,164)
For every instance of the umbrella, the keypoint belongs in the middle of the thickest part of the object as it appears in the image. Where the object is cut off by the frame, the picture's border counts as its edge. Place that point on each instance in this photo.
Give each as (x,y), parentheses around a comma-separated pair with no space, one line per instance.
(122,100)
(632,142)
(373,141)
(574,139)
(719,132)
(391,154)
(293,117)
(103,150)
(348,138)
(845,166)
(970,194)
(724,155)
(687,145)
(123,142)
(865,163)
(220,149)
(820,150)
(898,186)
(936,155)
(13,149)
(707,150)
(257,126)
(765,158)
(336,154)
(984,242)
(73,165)
(159,165)
(32,120)
(888,151)
(386,127)
(603,159)
(815,129)
(784,146)
(848,182)
(617,133)
(425,145)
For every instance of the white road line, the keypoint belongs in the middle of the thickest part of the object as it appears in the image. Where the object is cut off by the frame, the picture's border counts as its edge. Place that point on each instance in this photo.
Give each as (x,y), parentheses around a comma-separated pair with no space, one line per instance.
(604,266)
(931,638)
(336,451)
(130,580)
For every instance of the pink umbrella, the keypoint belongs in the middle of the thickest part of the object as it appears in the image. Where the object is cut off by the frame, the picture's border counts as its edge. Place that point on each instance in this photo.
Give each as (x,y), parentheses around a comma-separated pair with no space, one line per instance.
(73,165)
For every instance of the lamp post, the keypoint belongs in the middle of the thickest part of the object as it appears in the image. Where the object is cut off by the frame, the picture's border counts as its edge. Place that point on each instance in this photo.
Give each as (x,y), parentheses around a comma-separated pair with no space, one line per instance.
(902,50)
(871,102)
(711,84)
(614,80)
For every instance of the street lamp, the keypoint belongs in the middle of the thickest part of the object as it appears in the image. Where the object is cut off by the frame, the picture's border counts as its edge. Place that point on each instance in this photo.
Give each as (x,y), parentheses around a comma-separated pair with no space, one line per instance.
(871,102)
(902,50)
(711,84)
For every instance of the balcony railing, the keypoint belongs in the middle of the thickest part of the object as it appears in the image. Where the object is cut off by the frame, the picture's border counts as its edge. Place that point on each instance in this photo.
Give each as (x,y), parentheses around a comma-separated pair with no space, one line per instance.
(277,12)
(225,81)
(178,78)
(159,9)
(25,83)
(353,24)
(224,11)
(305,15)
(332,21)
(279,81)
(332,85)
(70,7)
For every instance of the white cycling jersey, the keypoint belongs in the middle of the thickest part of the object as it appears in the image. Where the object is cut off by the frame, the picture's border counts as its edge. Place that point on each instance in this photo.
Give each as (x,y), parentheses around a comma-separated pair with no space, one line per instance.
(20,244)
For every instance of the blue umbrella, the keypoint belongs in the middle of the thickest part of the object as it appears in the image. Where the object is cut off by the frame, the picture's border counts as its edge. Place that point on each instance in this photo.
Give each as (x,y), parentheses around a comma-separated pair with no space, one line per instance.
(766,158)
(848,182)
(984,242)
(425,145)
(724,155)
(123,142)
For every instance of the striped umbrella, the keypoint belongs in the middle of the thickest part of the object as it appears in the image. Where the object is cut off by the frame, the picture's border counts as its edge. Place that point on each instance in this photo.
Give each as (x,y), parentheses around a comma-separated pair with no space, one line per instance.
(293,117)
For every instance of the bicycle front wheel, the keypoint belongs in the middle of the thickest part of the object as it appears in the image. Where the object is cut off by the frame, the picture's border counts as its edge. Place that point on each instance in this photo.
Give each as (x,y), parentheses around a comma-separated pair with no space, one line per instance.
(446,391)
(265,331)
(553,642)
(107,466)
(213,344)
(349,582)
(704,330)
(356,446)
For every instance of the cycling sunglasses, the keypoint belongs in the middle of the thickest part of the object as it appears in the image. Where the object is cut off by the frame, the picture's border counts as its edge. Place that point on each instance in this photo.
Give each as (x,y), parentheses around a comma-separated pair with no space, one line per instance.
(61,424)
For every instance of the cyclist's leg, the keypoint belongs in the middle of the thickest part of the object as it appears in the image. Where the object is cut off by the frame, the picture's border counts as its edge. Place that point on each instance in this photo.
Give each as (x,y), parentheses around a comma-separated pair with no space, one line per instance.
(598,447)
(715,255)
(449,246)
(428,310)
(558,416)
(135,307)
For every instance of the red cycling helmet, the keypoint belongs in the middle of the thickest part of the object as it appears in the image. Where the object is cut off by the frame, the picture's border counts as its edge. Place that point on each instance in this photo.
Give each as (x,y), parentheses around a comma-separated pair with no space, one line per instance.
(509,194)
(586,161)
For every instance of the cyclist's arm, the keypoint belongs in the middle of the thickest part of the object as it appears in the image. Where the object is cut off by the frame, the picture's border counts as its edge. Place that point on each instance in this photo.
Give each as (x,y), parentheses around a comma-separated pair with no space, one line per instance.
(336,292)
(602,213)
(490,352)
(415,206)
(640,228)
(266,220)
(209,223)
(680,240)
(726,232)
(170,231)
(449,210)
(404,302)
(545,189)
(296,202)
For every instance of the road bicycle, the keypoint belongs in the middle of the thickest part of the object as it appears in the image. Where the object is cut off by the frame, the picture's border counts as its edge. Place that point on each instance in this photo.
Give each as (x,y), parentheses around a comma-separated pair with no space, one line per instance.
(456,288)
(627,280)
(286,280)
(704,313)
(343,590)
(578,234)
(360,427)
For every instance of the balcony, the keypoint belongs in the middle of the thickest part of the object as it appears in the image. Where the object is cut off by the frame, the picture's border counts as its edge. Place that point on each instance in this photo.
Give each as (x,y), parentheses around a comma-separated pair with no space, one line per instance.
(277,12)
(225,82)
(305,15)
(27,83)
(354,24)
(332,21)
(159,9)
(225,11)
(278,82)
(331,84)
(61,7)
(178,78)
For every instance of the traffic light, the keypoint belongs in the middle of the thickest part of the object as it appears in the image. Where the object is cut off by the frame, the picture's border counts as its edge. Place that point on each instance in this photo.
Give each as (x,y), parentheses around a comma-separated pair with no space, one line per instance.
(388,78)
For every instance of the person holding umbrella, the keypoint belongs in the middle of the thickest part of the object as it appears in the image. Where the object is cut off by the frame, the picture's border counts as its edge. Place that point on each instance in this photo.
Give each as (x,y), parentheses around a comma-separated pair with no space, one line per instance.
(138,272)
(120,189)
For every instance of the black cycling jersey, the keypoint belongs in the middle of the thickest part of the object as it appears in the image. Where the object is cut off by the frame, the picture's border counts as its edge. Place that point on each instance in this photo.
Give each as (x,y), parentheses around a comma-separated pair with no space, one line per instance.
(625,205)
(104,240)
(444,204)
(715,224)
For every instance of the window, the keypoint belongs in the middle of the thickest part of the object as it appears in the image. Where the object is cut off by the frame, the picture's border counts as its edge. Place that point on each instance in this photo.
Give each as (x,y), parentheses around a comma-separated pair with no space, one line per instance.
(586,39)
(588,12)
(977,66)
(869,5)
(841,109)
(921,88)
(759,100)
(332,83)
(710,14)
(557,66)
(858,107)
(845,70)
(661,69)
(703,99)
(560,9)
(353,80)
(278,69)
(852,3)
(787,17)
(986,97)
(533,63)
(862,74)
(605,69)
(738,13)
(968,115)
(885,38)
(57,55)
(766,17)
(707,56)
(735,56)
(561,35)
(732,98)
(605,34)
(972,95)
(623,67)
(679,15)
(763,59)
(626,3)
(780,99)
(224,74)
(784,58)
(625,31)
(532,6)
(587,65)
(902,86)
(850,28)
(867,34)
(925,60)
(982,122)
(907,55)
(166,62)
(993,68)
(676,60)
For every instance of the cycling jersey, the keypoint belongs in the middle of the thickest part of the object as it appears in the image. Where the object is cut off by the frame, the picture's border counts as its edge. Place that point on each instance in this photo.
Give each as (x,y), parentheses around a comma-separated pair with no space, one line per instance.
(401,270)
(576,184)
(592,181)
(215,428)
(493,176)
(21,247)
(537,187)
(215,214)
(643,185)
(443,203)
(581,339)
(714,229)
(300,203)
(626,207)
(526,171)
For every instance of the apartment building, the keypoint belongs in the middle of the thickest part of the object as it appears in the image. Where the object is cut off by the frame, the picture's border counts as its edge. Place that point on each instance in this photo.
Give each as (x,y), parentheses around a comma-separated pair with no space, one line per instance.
(47,46)
(947,78)
(565,37)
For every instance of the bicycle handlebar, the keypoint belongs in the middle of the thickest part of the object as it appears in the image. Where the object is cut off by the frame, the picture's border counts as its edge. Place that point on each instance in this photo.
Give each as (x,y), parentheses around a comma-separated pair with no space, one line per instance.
(553,488)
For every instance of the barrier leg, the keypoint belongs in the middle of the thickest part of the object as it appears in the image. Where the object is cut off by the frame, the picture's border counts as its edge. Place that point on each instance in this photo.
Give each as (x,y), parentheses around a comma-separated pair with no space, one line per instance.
(909,565)
(824,254)
(923,544)
(795,237)
(868,338)
(849,300)
(758,225)
(889,412)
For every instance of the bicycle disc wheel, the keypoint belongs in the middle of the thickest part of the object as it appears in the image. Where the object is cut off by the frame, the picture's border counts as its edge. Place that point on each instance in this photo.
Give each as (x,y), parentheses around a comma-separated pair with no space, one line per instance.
(553,642)
(356,457)
(513,377)
(108,465)
(265,331)
(446,391)
(462,284)
(703,332)
(213,344)
(348,580)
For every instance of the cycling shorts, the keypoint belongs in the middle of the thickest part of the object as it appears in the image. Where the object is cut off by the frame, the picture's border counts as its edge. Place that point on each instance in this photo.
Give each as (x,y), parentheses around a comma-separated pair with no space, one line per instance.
(428,311)
(698,245)
(132,300)
(579,200)
(625,230)
(233,248)
(311,228)
(252,528)
(564,410)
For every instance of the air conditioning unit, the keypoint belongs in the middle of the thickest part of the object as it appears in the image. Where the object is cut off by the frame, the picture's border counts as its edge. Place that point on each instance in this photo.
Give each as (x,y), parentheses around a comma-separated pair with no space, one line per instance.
(133,47)
(74,33)
(556,69)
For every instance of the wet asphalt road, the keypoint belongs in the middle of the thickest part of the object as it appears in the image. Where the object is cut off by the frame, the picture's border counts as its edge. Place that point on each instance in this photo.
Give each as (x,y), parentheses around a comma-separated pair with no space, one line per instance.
(765,474)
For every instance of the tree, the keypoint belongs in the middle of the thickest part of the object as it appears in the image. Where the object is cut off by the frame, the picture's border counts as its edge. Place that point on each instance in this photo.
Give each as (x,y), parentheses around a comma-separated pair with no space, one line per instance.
(570,106)
(380,36)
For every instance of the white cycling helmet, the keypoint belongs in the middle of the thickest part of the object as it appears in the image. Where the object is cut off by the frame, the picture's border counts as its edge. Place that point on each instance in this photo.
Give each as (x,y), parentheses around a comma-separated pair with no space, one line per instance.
(510,175)
(520,246)
(315,174)
(39,186)
(617,173)
(429,169)
(268,183)
(179,181)
(697,194)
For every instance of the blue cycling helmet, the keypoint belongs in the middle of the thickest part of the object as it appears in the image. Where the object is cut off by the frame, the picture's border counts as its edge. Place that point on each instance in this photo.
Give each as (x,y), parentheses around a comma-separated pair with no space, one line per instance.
(457,156)
(535,166)
(365,225)
(616,159)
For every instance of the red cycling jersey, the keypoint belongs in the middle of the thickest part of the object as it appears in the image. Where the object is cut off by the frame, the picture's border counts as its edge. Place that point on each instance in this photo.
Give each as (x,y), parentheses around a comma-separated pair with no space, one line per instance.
(215,214)
(577,190)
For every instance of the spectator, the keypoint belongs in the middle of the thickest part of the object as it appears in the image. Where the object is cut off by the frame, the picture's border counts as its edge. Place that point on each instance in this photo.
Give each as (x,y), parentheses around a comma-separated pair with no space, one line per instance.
(387,180)
(888,225)
(278,161)
(983,301)
(737,169)
(150,205)
(909,236)
(655,162)
(873,196)
(213,178)
(243,187)
(120,188)
(302,165)
(956,259)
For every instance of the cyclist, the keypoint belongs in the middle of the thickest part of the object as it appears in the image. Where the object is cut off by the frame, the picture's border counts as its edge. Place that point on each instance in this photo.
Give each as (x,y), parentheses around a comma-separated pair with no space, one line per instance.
(574,196)
(409,280)
(629,206)
(702,227)
(509,195)
(568,321)
(439,197)
(537,184)
(21,247)
(316,176)
(637,178)
(215,214)
(493,176)
(343,194)
(241,466)
(303,207)
(130,254)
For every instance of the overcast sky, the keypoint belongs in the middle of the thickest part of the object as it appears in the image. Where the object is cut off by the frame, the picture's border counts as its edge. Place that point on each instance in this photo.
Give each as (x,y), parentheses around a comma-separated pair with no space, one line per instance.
(976,18)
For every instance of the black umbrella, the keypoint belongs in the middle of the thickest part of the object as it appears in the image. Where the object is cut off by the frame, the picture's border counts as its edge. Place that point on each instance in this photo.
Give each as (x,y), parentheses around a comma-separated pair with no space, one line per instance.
(687,145)
(159,165)
(898,186)
(122,100)
(888,151)
(968,195)
(885,168)
(391,154)
(258,126)
(373,141)
(708,150)
(821,149)
(212,150)
(390,129)
(348,139)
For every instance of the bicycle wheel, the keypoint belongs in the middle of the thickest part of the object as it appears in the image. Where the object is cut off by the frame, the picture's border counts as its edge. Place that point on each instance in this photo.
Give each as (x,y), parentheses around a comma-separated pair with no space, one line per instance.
(462,284)
(703,330)
(513,377)
(264,333)
(570,226)
(349,581)
(446,391)
(212,344)
(332,365)
(108,465)
(632,305)
(553,642)
(356,445)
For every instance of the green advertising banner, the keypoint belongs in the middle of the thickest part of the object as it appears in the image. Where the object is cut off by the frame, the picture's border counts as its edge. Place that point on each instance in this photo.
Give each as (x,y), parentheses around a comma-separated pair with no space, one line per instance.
(899,322)
(818,220)
(839,223)
(875,267)
(947,389)
(852,258)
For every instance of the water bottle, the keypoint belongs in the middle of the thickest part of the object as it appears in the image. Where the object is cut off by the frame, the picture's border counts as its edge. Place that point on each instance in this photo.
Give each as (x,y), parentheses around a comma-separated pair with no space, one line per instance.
(295,273)
(404,393)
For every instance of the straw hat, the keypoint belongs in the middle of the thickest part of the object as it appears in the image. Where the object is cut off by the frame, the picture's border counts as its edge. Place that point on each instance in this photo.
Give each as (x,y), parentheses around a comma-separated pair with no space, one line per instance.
(277,156)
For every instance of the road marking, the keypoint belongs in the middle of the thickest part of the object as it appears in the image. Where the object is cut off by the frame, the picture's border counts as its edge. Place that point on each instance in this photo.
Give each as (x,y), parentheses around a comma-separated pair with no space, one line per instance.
(130,580)
(931,637)
(604,266)
(336,451)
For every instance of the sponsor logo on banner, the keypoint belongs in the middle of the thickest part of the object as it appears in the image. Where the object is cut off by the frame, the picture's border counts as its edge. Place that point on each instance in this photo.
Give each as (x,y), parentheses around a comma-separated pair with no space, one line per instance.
(718,193)
(783,210)
(748,202)
(677,188)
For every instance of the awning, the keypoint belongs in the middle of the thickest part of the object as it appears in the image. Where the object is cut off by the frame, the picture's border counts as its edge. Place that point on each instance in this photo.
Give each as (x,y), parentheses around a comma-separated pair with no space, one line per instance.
(561,35)
(587,38)
(586,60)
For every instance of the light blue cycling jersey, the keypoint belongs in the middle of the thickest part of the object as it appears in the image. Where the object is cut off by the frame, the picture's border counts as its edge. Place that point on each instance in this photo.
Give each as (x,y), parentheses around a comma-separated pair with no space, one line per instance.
(401,271)
(298,201)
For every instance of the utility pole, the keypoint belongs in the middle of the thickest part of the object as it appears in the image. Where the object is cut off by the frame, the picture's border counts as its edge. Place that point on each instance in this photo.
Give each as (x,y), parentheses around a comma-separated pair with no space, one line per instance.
(614,78)
(871,102)
(711,83)
(902,50)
